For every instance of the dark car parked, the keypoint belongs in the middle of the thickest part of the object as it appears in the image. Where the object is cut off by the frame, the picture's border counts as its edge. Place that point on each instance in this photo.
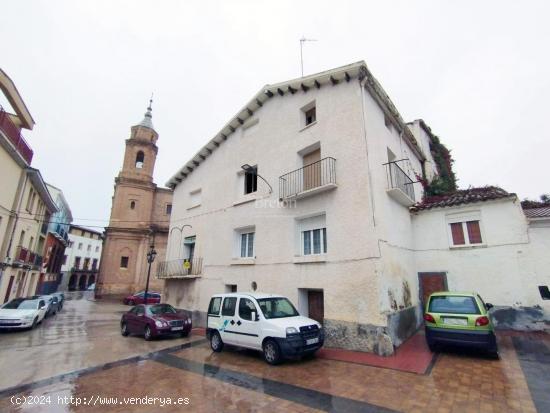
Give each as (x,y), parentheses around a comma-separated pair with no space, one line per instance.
(61,297)
(154,320)
(52,303)
(139,298)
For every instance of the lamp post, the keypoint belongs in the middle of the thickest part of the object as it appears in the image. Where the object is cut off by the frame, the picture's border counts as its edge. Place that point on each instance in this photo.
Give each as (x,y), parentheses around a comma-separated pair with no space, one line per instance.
(150,258)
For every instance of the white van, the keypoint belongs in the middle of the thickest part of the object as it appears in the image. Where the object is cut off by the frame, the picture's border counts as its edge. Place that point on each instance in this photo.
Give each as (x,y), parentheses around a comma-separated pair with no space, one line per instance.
(265,322)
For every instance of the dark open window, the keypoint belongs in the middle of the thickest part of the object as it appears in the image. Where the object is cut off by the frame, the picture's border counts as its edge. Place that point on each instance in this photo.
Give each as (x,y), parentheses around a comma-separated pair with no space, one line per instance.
(123,262)
(140,158)
(311,115)
(168,209)
(251,180)
(132,204)
(544,292)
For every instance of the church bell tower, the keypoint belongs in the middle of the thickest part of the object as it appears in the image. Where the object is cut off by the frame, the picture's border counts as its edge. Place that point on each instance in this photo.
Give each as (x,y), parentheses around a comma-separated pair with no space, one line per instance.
(138,216)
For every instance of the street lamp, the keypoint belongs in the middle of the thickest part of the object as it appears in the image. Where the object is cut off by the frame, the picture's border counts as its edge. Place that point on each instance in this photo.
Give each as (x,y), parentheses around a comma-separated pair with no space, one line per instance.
(150,258)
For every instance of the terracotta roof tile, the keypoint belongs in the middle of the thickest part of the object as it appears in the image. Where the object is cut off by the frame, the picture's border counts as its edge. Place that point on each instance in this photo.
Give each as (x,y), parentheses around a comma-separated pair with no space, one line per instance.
(462,196)
(543,212)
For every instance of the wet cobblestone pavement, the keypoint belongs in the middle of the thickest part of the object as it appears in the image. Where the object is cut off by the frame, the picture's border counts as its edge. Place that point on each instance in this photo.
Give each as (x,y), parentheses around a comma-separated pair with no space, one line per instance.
(80,353)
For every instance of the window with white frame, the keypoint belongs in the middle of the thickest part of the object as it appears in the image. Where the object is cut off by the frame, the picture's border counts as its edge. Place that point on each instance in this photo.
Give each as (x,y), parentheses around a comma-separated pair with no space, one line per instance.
(195,198)
(465,229)
(312,235)
(247,245)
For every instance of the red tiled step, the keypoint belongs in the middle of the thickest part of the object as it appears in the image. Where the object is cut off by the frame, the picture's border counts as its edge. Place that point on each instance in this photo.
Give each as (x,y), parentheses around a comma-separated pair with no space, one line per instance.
(412,356)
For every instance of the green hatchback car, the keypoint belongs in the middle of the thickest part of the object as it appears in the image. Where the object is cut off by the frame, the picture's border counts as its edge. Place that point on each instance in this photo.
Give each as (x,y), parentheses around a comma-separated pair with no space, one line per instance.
(459,319)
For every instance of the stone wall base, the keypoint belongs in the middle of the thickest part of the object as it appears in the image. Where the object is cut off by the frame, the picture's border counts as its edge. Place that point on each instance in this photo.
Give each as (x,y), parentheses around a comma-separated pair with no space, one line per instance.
(358,337)
(380,340)
(404,323)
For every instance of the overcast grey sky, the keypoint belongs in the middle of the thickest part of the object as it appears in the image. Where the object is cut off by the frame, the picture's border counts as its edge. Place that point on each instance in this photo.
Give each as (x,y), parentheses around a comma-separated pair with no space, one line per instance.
(476,72)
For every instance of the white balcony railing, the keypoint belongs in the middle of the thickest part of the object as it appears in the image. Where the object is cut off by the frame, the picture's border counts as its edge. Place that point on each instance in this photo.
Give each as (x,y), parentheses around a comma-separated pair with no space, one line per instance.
(180,268)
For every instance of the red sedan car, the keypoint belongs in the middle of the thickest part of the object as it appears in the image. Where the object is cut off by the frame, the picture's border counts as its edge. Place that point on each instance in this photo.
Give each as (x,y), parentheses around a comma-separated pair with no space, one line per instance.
(154,321)
(139,298)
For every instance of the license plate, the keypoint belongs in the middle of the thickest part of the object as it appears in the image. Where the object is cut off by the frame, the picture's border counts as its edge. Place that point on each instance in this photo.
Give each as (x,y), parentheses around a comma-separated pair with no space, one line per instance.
(455,321)
(177,328)
(312,341)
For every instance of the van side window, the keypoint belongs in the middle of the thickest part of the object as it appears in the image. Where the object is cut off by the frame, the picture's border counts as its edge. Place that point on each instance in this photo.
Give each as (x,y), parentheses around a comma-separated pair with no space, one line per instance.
(229,304)
(246,307)
(214,307)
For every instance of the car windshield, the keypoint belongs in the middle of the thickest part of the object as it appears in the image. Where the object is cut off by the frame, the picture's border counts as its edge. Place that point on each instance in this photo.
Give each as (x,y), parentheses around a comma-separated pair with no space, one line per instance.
(162,309)
(22,305)
(453,305)
(277,307)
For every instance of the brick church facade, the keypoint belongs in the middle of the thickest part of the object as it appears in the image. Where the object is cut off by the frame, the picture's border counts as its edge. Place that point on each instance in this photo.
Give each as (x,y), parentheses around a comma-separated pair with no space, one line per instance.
(140,215)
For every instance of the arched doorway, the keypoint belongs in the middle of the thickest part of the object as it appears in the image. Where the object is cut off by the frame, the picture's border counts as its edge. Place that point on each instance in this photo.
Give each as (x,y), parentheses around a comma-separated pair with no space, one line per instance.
(82,282)
(91,280)
(72,282)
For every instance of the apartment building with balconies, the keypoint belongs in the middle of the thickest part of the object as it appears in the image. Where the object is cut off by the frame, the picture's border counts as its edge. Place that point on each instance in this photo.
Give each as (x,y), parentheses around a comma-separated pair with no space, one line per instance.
(25,202)
(80,264)
(306,192)
(57,241)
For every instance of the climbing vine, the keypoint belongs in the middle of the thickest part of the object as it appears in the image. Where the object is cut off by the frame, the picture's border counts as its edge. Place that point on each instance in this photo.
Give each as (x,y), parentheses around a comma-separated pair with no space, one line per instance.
(445,182)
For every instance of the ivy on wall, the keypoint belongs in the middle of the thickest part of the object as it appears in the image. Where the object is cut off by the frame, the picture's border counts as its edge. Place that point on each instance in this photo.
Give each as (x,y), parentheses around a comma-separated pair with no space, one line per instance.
(445,182)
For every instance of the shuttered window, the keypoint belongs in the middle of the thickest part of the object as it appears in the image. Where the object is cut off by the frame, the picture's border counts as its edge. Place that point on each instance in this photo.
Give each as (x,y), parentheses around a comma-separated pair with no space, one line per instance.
(474,232)
(457,233)
(466,233)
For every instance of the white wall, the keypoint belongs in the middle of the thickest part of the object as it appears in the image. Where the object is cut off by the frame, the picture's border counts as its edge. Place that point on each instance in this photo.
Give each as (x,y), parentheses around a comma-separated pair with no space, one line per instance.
(362,221)
(505,270)
(73,252)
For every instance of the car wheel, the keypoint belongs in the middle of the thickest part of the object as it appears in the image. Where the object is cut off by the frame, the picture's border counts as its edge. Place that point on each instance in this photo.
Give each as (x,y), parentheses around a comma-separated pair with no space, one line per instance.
(216,342)
(148,333)
(272,352)
(124,330)
(131,302)
(34,323)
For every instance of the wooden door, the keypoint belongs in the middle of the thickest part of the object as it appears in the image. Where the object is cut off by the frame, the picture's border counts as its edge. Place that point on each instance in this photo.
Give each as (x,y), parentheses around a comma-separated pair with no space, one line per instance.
(21,281)
(431,282)
(8,291)
(316,305)
(312,170)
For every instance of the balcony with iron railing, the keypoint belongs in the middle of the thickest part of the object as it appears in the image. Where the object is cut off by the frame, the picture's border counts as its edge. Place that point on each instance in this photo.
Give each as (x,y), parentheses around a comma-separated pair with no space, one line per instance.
(180,268)
(13,134)
(400,185)
(24,256)
(311,179)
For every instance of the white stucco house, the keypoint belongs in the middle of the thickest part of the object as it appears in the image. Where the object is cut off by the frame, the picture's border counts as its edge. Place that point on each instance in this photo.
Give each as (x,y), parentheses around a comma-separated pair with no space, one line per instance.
(306,192)
(82,258)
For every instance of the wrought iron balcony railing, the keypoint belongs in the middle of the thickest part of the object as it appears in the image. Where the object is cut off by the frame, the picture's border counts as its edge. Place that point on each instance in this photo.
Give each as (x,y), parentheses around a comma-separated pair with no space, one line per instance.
(311,177)
(398,180)
(25,256)
(180,268)
(14,135)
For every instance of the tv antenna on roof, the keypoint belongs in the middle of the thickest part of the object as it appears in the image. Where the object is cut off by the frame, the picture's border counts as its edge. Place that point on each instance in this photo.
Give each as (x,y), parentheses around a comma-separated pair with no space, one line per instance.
(302,41)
